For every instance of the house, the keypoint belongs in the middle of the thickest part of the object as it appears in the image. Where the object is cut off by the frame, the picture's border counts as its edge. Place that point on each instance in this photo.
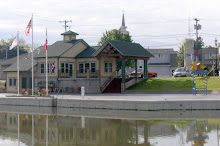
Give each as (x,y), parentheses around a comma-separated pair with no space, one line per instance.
(6,63)
(163,63)
(76,64)
(206,56)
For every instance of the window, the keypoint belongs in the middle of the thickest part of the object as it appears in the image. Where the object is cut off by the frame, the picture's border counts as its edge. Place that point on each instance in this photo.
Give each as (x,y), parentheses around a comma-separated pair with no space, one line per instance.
(14,81)
(86,67)
(42,68)
(208,56)
(81,66)
(67,67)
(10,82)
(48,67)
(93,67)
(62,67)
(108,67)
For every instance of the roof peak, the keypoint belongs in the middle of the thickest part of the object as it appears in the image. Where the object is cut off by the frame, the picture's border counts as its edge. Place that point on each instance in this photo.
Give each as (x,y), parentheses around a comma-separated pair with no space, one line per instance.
(69,33)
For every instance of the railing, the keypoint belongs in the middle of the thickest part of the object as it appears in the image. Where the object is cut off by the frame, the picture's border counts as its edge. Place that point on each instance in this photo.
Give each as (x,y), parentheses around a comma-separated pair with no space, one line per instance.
(63,75)
(84,75)
(106,83)
(79,75)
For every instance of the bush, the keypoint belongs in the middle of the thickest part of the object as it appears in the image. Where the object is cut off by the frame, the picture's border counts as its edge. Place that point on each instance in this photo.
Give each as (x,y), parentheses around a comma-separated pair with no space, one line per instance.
(22,91)
(43,91)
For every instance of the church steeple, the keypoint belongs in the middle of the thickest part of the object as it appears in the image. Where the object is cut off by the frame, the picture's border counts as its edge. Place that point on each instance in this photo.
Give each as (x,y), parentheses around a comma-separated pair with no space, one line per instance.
(123,20)
(123,27)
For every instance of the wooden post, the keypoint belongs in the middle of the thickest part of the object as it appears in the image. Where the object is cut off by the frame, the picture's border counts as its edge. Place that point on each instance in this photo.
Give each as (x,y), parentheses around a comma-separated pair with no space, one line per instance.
(145,69)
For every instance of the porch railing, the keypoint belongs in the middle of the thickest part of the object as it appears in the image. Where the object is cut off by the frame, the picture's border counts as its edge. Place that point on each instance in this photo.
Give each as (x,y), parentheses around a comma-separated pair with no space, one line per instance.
(106,83)
(79,75)
(84,75)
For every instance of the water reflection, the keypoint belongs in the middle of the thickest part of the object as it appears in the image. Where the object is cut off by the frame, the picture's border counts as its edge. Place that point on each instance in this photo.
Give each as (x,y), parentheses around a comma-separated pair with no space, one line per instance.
(53,130)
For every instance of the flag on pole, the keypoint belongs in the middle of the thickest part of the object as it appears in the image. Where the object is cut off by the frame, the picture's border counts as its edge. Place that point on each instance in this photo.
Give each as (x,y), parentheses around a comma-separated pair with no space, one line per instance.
(14,43)
(45,44)
(27,30)
(52,67)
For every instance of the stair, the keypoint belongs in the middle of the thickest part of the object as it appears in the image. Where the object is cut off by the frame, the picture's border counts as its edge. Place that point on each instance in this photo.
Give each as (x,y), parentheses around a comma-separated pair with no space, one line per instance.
(115,86)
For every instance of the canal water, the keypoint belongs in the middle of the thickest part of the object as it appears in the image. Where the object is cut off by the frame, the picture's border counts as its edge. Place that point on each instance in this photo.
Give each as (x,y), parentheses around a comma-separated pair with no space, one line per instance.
(35,126)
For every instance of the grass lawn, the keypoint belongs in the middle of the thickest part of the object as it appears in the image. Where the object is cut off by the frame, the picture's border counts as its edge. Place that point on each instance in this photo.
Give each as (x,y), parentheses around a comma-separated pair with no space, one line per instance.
(2,84)
(181,83)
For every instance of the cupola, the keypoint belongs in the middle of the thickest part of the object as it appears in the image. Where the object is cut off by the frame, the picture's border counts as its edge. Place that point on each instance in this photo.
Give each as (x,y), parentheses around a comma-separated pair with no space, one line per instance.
(69,35)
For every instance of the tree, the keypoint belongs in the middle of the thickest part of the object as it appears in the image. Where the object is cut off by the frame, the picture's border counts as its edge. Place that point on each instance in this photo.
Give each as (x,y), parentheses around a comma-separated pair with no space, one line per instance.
(116,35)
(4,45)
(180,56)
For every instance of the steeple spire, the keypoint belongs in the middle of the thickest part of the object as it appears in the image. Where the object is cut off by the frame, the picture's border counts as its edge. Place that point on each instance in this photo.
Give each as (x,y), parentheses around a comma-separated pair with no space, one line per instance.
(123,20)
(123,27)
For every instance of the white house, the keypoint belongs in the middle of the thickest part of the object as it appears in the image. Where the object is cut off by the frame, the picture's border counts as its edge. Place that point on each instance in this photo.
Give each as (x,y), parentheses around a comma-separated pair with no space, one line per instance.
(163,63)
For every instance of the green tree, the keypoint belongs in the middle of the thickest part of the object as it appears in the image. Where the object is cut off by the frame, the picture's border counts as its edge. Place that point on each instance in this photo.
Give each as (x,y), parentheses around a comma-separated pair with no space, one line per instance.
(4,45)
(180,56)
(116,35)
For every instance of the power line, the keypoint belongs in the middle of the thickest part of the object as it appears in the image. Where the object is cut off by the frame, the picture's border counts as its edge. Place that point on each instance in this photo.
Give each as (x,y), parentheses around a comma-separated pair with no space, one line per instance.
(65,23)
(163,45)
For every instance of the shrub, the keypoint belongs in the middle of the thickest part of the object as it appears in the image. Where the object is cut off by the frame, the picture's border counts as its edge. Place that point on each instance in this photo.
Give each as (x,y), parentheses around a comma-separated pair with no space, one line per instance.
(22,91)
(43,91)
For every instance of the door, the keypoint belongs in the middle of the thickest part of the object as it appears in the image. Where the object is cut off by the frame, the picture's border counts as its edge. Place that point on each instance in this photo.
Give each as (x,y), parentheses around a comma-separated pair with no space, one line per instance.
(71,69)
(24,83)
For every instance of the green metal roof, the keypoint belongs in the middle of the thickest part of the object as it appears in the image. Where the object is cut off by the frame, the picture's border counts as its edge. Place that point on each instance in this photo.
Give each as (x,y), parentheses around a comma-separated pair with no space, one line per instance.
(25,64)
(56,49)
(69,33)
(87,53)
(128,49)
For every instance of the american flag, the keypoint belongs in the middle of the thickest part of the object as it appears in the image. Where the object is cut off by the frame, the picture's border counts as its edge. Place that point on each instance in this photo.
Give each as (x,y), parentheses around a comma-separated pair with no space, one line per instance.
(27,30)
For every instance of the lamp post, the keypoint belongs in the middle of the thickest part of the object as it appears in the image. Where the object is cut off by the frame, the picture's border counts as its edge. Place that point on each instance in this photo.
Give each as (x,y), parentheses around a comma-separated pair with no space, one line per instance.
(216,58)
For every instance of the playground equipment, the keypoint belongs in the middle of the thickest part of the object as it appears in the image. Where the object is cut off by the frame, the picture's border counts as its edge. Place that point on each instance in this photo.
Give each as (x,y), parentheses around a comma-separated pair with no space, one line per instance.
(200,69)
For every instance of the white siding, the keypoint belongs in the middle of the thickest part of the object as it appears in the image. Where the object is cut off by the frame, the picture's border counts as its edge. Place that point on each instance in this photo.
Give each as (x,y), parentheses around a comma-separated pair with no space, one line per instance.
(162,71)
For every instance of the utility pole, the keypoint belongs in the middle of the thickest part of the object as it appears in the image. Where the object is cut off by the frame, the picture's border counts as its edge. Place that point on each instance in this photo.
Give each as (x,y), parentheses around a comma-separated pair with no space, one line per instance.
(197,27)
(65,23)
(216,60)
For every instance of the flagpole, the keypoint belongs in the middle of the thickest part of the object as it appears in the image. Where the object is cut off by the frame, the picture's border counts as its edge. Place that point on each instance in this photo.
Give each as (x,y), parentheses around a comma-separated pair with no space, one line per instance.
(32,58)
(18,63)
(46,68)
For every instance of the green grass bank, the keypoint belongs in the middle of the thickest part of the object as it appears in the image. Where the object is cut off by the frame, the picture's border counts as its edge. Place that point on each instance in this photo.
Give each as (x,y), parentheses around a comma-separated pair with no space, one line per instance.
(181,83)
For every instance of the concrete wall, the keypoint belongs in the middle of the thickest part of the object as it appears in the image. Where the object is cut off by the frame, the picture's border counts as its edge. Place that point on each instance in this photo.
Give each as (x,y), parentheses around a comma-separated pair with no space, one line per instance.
(91,85)
(189,51)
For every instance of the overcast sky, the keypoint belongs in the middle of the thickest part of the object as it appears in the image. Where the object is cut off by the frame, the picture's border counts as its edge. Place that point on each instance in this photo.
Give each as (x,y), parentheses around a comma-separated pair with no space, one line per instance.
(152,23)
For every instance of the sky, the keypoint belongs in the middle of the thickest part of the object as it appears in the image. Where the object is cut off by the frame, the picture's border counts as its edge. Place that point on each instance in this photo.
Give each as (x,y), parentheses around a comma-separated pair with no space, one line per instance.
(151,23)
